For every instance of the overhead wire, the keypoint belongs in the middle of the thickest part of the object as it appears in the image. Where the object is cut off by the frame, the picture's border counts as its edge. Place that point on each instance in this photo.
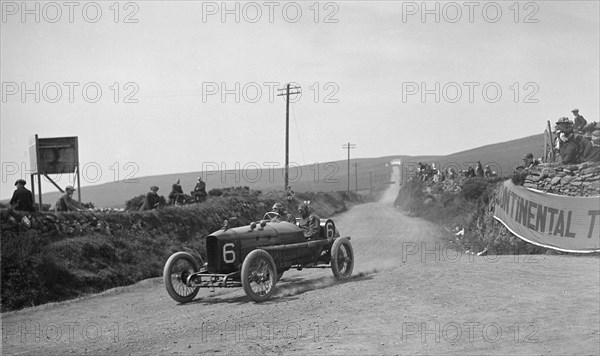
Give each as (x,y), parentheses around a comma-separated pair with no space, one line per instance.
(298,134)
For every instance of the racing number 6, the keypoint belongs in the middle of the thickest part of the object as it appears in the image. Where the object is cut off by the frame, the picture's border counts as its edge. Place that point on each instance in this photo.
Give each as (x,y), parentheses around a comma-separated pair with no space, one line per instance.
(329,230)
(228,255)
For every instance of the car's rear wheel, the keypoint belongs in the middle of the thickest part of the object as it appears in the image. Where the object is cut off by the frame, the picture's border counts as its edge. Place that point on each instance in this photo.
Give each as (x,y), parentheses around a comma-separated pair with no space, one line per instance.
(259,275)
(175,274)
(342,258)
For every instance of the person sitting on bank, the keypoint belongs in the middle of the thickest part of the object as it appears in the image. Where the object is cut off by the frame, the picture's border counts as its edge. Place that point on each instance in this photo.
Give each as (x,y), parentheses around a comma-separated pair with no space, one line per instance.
(152,200)
(199,192)
(309,222)
(22,198)
(66,202)
(283,214)
(176,195)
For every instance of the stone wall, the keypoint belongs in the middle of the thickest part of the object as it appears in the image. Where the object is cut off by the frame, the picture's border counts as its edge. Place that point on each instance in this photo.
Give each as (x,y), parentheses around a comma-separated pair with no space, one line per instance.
(574,180)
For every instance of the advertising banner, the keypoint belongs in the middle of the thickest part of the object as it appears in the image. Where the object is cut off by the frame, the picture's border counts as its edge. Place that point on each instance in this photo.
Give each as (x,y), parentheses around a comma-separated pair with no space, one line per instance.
(563,223)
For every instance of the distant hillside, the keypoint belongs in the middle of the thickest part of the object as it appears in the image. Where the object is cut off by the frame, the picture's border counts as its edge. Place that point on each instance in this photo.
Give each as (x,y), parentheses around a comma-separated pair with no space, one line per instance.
(331,176)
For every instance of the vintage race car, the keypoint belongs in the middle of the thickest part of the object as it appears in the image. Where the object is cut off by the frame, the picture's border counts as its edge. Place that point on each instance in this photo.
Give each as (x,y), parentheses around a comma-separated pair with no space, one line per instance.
(255,257)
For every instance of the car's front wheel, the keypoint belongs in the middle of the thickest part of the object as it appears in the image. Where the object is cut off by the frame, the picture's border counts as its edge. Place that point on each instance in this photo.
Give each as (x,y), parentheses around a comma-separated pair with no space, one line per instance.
(175,274)
(342,258)
(259,275)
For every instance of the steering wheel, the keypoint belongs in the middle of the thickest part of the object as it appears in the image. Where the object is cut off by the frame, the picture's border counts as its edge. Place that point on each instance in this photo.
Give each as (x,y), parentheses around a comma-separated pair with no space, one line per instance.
(271,215)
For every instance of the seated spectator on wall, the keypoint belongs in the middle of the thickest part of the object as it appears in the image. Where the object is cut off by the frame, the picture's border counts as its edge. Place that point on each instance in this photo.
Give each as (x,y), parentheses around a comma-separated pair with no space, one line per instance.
(152,200)
(593,155)
(66,202)
(487,172)
(22,198)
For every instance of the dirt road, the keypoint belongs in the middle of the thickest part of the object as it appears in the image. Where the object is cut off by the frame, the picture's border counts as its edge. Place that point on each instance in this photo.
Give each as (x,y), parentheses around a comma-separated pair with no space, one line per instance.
(410,295)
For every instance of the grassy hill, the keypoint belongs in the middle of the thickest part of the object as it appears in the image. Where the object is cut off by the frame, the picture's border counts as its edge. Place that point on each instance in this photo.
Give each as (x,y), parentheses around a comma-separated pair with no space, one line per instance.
(331,176)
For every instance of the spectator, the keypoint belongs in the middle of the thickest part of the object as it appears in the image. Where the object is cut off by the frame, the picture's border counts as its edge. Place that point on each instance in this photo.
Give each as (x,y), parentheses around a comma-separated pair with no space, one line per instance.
(578,122)
(152,200)
(22,198)
(479,169)
(289,193)
(568,147)
(309,223)
(488,171)
(66,202)
(529,162)
(471,172)
(563,124)
(451,173)
(199,192)
(591,127)
(584,147)
(176,195)
(593,155)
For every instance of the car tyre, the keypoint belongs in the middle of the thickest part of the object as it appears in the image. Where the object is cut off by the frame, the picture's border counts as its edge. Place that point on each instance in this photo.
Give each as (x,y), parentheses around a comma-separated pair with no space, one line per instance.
(259,275)
(342,258)
(178,267)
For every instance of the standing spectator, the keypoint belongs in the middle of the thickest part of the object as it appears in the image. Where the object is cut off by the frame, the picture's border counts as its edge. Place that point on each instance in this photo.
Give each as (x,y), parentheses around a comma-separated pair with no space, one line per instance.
(289,193)
(22,198)
(176,195)
(563,124)
(199,192)
(568,147)
(578,122)
(309,223)
(66,202)
(451,173)
(479,169)
(152,200)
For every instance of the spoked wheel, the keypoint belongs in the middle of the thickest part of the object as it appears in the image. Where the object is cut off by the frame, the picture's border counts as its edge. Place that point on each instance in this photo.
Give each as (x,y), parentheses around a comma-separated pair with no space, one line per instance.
(342,258)
(177,270)
(259,275)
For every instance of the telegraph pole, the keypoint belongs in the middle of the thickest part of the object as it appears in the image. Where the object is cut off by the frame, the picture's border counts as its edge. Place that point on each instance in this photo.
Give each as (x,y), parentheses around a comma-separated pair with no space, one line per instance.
(287,129)
(348,146)
(371,183)
(355,177)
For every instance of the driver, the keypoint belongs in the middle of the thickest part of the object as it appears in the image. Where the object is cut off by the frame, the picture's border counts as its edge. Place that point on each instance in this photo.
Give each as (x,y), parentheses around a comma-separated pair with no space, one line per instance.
(283,214)
(308,222)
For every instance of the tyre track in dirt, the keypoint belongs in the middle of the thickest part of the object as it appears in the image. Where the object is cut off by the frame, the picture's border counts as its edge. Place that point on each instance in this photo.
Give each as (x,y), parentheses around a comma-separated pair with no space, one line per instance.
(373,313)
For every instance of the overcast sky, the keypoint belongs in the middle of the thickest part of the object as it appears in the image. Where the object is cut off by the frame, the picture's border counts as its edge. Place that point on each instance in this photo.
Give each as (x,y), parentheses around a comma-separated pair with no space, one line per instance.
(177,68)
